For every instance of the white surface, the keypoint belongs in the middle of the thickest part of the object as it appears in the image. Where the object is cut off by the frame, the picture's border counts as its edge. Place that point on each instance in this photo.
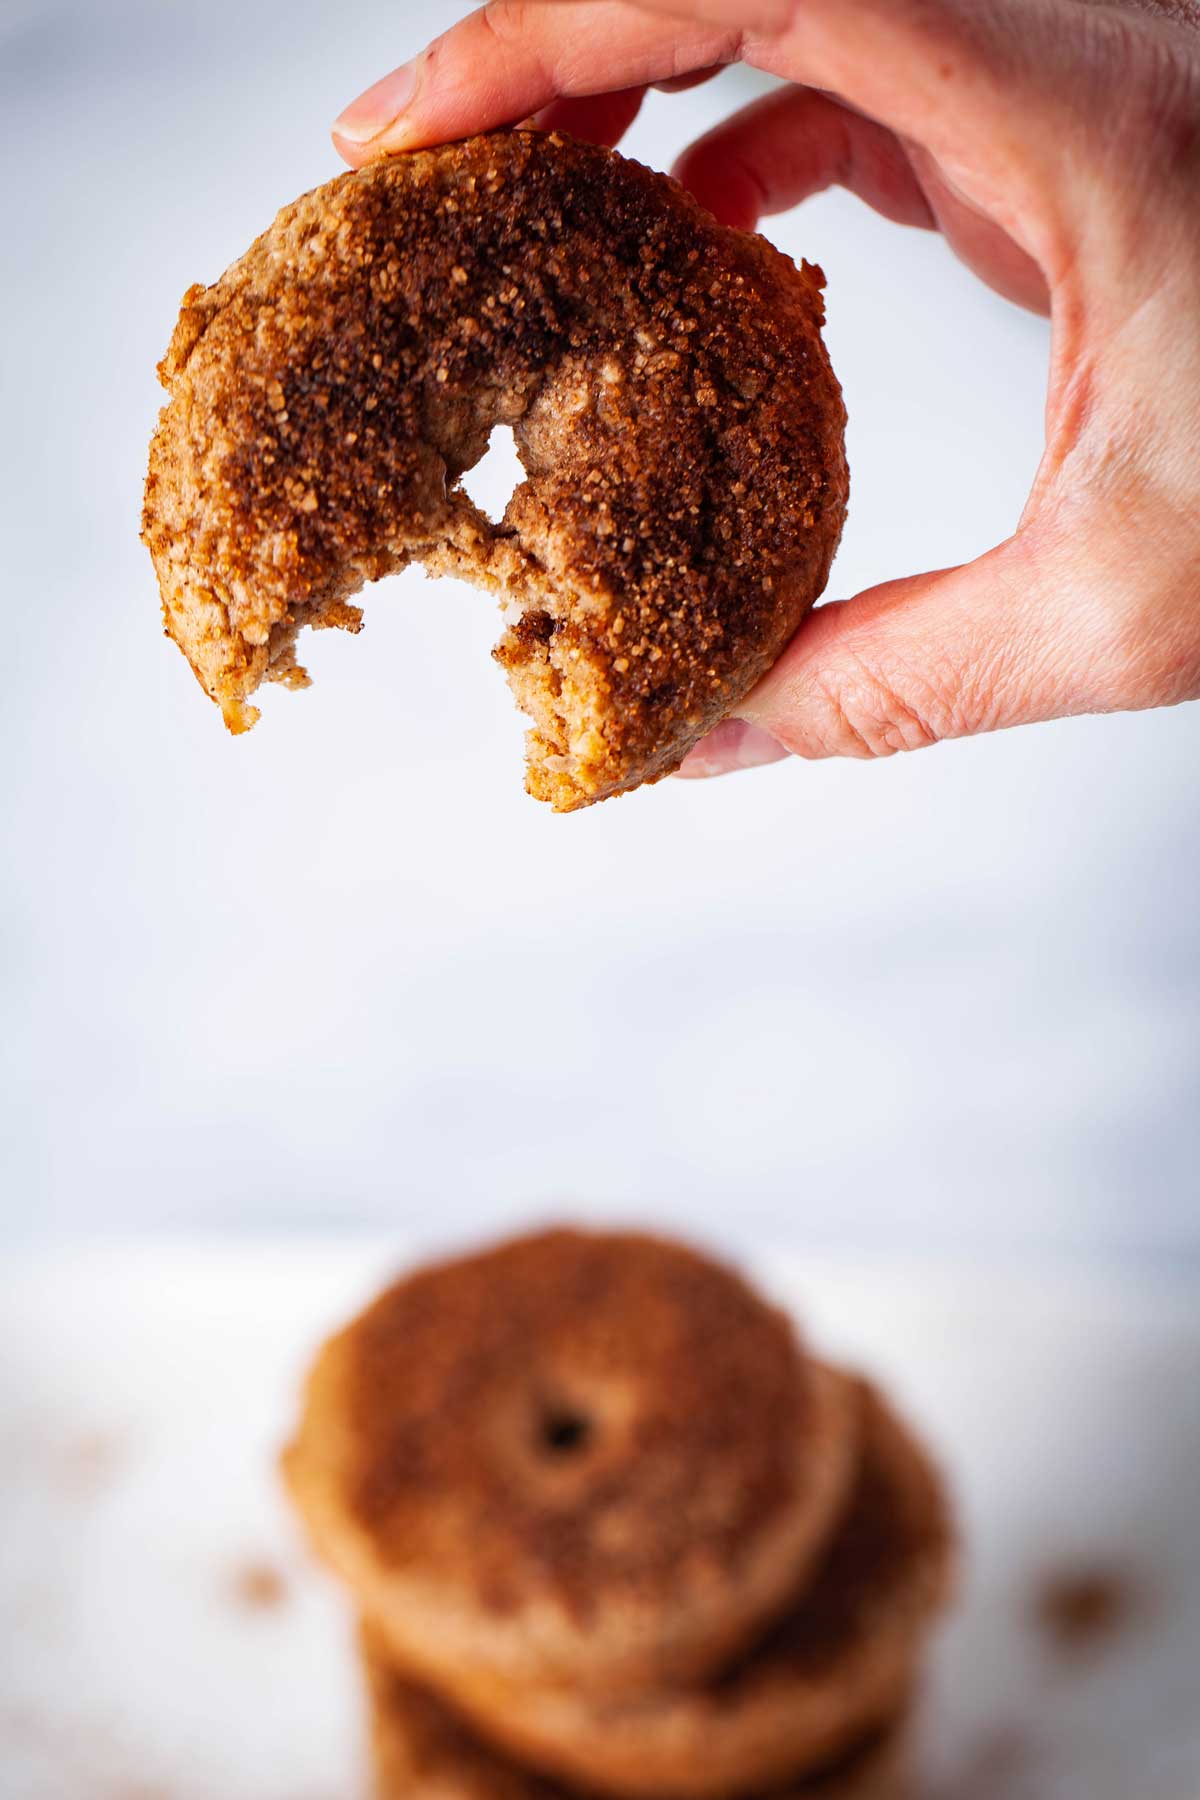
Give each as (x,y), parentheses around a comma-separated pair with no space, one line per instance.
(343,969)
(150,1391)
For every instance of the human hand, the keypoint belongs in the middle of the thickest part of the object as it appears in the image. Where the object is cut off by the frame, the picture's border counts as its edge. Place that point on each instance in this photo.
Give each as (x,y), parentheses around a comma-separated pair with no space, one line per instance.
(1056,145)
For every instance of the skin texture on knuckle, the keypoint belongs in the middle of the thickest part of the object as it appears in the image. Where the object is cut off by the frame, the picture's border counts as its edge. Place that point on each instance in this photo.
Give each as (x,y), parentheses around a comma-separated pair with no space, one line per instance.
(521,32)
(858,710)
(509,21)
(722,47)
(574,48)
(513,25)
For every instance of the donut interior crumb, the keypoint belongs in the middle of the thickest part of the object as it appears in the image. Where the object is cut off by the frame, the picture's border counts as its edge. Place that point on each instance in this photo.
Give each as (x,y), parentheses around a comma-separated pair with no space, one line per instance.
(565,699)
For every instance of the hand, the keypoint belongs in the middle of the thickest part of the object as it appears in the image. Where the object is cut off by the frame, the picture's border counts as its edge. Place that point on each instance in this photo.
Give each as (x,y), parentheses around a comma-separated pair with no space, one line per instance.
(1056,144)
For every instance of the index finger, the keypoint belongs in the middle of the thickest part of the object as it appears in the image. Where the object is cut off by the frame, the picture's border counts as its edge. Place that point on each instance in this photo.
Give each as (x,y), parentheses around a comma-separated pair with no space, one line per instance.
(937,71)
(511,58)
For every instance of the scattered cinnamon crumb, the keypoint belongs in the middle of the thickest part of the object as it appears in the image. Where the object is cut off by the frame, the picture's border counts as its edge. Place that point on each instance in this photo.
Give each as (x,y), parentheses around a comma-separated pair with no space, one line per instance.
(1078,1609)
(258,1587)
(90,1462)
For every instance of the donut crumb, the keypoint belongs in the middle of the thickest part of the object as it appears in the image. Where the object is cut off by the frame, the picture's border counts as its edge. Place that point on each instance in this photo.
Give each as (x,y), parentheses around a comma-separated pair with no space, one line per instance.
(1079,1609)
(564,696)
(258,1586)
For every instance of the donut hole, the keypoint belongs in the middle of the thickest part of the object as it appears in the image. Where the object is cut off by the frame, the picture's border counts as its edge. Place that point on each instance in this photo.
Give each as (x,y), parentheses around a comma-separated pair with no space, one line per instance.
(492,481)
(564,1431)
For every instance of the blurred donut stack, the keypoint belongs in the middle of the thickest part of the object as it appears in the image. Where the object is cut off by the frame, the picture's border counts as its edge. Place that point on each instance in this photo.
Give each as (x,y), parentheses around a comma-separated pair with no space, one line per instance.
(611,1531)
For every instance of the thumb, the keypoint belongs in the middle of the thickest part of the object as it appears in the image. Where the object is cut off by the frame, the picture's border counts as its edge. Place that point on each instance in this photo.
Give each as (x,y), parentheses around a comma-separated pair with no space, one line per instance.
(1005,640)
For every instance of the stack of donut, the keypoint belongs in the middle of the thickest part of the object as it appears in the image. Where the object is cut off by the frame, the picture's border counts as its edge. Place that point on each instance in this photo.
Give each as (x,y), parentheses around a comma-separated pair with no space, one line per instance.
(612,1532)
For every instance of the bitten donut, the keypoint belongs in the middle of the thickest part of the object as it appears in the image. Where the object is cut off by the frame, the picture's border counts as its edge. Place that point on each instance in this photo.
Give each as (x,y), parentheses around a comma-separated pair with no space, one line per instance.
(421,1751)
(671,401)
(596,1458)
(839,1663)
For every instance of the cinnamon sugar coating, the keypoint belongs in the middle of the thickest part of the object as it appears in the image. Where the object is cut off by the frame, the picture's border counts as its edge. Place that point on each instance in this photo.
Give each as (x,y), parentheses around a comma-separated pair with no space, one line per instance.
(670,398)
(842,1658)
(593,1455)
(420,1750)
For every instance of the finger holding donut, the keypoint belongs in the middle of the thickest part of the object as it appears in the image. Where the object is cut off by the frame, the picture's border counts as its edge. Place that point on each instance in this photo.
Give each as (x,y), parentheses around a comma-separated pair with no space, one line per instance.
(508,61)
(1053,144)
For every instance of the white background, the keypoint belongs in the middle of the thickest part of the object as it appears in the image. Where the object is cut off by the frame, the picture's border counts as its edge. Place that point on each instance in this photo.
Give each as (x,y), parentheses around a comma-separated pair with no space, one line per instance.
(342,975)
(344,972)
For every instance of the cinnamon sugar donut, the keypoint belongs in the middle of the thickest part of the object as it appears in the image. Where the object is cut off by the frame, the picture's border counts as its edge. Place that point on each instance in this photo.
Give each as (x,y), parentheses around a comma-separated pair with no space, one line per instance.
(577,1457)
(840,1662)
(674,409)
(421,1751)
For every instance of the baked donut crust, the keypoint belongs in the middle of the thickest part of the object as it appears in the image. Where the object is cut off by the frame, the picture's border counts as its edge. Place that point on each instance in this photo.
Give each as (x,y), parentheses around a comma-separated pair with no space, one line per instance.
(671,400)
(840,1662)
(421,1751)
(592,1458)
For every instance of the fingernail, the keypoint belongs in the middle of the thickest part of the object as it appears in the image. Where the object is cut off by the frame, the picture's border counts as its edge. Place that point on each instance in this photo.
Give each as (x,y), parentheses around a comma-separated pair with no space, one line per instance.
(370,115)
(733,744)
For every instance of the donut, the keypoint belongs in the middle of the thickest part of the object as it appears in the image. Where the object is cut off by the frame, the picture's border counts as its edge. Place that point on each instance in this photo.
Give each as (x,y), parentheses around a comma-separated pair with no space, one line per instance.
(420,1750)
(578,1457)
(840,1661)
(671,401)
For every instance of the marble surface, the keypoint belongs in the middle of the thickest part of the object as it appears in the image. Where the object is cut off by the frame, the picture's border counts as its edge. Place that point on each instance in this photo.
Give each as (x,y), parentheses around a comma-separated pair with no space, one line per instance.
(163,1635)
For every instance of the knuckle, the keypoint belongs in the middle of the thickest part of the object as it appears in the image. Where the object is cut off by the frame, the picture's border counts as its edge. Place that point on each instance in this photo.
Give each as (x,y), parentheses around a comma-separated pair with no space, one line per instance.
(518,32)
(502,19)
(723,46)
(882,711)
(509,22)
(864,714)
